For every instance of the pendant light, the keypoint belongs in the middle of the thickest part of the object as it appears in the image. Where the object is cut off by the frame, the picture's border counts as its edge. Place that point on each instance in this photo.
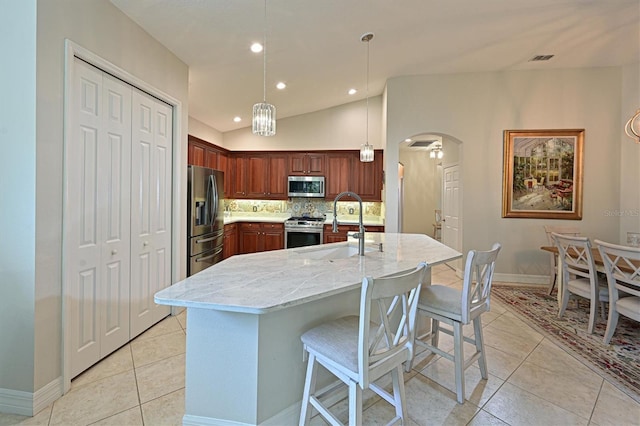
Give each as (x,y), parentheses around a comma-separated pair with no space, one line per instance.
(264,114)
(366,150)
(632,128)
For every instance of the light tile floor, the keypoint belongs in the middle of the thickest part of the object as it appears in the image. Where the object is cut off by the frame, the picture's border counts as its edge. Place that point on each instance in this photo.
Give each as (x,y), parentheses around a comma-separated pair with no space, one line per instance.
(531,382)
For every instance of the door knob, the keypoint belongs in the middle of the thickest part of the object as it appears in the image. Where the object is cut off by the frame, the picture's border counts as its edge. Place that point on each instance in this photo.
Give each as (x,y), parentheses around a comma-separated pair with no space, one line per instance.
(146,243)
(114,252)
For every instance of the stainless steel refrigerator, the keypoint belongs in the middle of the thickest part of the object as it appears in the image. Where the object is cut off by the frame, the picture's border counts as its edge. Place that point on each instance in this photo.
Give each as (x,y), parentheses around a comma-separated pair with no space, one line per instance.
(205,229)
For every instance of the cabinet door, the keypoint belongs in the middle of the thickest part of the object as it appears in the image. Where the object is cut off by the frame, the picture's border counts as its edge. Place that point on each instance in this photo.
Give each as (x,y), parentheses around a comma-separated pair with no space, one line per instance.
(277,172)
(230,247)
(297,165)
(224,165)
(272,236)
(211,158)
(367,178)
(315,164)
(338,174)
(311,164)
(249,237)
(239,166)
(196,154)
(257,176)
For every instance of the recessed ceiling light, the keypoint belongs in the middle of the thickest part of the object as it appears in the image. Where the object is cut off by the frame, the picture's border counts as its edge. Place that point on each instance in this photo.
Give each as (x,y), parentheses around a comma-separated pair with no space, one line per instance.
(256,47)
(237,119)
(352,91)
(281,85)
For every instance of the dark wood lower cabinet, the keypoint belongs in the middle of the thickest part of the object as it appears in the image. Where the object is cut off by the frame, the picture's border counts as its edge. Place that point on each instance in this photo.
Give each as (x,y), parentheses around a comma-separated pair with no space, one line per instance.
(230,247)
(341,235)
(256,237)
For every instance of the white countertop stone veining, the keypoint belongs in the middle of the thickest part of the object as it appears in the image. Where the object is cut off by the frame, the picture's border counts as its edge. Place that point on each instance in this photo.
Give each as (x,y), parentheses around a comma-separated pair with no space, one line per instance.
(268,281)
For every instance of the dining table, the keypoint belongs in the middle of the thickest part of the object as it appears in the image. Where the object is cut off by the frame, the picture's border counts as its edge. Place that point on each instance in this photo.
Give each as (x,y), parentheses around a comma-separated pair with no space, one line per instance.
(597,259)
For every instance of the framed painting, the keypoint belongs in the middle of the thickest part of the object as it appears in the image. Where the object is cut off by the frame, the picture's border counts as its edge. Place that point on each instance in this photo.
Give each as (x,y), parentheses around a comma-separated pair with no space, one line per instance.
(542,174)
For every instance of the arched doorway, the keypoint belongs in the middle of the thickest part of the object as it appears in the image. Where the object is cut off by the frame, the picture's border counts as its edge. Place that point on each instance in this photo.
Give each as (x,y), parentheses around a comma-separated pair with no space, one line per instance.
(431,182)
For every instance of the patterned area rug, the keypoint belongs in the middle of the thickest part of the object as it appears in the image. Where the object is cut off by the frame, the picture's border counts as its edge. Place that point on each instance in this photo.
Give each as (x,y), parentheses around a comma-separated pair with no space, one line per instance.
(618,361)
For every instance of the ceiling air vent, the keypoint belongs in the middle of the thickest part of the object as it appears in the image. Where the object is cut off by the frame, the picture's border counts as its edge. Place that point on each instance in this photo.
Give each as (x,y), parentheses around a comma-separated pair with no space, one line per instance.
(541,58)
(421,144)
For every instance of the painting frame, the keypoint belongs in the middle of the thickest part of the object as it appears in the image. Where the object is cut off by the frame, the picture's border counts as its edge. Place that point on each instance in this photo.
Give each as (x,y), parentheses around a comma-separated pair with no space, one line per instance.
(542,174)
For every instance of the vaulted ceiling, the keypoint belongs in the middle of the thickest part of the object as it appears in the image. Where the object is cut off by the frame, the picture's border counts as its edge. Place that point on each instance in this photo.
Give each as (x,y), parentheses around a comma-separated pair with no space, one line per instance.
(315,48)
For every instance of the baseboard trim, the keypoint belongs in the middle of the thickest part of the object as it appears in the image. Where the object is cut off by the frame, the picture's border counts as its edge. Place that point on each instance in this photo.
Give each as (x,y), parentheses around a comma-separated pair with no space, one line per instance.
(541,280)
(28,403)
(288,416)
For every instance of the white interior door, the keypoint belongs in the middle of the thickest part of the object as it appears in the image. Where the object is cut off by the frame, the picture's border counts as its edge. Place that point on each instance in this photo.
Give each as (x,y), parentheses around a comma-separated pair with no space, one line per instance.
(150,209)
(97,215)
(451,207)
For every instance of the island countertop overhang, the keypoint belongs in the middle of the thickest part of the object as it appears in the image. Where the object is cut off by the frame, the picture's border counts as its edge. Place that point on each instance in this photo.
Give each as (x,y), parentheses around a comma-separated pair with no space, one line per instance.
(264,282)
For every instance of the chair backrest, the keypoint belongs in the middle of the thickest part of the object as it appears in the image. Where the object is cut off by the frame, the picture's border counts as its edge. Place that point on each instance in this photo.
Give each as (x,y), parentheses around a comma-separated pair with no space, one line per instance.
(438,216)
(476,286)
(576,257)
(622,265)
(562,230)
(395,299)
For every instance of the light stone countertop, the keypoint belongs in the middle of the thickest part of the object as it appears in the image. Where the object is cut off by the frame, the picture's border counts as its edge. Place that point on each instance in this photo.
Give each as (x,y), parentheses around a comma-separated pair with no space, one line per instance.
(269,281)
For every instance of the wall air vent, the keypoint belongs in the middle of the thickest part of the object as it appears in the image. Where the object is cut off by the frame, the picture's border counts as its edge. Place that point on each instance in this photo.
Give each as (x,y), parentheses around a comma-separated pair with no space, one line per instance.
(421,144)
(541,58)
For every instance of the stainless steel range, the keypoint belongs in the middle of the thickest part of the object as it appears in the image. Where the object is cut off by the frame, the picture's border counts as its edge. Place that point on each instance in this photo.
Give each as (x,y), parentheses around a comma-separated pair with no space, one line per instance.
(303,231)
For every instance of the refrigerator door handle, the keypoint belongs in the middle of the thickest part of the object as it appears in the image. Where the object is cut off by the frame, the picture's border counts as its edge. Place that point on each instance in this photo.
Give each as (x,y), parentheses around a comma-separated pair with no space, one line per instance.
(214,207)
(208,212)
(206,240)
(202,259)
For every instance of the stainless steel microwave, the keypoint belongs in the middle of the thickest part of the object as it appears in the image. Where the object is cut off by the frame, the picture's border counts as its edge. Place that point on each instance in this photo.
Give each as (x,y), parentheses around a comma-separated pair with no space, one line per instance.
(306,186)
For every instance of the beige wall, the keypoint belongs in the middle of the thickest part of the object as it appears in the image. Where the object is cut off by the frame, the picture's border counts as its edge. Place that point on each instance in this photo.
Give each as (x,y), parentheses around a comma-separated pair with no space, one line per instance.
(200,130)
(17,193)
(421,191)
(629,155)
(102,29)
(475,108)
(341,127)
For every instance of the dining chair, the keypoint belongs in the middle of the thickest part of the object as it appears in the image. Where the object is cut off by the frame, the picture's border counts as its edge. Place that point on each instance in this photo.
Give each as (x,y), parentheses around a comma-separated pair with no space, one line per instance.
(622,266)
(437,225)
(553,265)
(457,308)
(579,276)
(359,350)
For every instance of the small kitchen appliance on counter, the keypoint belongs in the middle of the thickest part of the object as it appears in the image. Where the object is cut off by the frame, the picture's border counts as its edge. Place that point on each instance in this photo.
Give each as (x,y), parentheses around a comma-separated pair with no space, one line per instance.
(205,227)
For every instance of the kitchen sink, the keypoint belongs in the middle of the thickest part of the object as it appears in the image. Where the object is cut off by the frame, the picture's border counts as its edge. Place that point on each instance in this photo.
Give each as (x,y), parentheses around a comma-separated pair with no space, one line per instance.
(331,252)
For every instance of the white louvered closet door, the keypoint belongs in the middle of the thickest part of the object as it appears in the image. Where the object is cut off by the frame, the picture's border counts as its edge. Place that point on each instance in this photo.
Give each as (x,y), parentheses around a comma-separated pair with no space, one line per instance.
(97,215)
(150,209)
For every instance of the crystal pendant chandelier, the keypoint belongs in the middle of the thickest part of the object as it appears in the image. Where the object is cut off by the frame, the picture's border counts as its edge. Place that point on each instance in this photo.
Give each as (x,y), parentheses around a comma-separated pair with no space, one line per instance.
(264,114)
(366,150)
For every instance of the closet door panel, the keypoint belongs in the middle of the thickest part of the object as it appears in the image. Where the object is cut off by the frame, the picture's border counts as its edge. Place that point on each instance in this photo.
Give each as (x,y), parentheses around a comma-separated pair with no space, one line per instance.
(115,193)
(84,216)
(150,220)
(162,208)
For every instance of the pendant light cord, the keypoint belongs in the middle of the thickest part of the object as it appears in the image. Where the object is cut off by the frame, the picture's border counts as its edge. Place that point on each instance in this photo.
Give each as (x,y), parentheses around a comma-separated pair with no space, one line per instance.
(264,56)
(367,140)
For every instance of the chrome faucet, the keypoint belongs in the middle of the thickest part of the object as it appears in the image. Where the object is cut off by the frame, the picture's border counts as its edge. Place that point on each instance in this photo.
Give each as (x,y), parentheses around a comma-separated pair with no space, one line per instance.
(360,234)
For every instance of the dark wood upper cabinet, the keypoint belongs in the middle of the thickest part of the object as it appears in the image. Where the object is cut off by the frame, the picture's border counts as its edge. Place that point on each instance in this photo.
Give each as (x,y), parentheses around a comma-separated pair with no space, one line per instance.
(338,176)
(307,164)
(263,174)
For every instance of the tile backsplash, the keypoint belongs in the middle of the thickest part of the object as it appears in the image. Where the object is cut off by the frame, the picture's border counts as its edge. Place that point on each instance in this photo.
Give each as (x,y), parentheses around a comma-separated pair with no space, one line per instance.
(301,206)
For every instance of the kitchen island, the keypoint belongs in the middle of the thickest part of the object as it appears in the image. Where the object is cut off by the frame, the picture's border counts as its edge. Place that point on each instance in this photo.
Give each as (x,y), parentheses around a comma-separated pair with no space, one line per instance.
(246,314)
